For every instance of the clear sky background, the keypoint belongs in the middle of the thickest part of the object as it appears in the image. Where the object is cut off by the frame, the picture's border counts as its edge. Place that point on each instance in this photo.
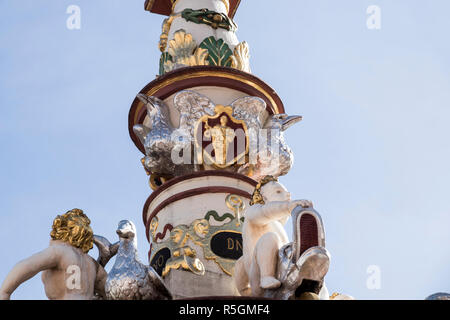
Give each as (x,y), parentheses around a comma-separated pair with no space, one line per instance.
(372,153)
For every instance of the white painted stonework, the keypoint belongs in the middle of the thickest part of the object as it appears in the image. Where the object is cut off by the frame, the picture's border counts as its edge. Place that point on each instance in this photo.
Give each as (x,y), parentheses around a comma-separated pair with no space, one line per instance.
(200,32)
(184,283)
(218,95)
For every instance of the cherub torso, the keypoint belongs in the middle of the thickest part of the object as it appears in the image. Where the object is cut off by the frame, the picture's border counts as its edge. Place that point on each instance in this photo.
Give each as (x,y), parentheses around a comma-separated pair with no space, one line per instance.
(252,233)
(73,277)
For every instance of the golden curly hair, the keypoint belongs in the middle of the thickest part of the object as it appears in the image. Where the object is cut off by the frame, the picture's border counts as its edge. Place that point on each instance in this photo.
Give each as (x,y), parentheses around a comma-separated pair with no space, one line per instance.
(73,227)
(256,196)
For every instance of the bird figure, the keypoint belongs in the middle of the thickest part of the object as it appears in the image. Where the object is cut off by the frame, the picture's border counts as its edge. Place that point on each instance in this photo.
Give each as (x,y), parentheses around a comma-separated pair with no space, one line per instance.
(274,157)
(157,139)
(129,278)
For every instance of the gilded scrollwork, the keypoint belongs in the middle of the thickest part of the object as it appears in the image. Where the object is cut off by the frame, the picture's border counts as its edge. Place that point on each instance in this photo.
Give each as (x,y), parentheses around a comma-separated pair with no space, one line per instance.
(153,226)
(220,243)
(183,256)
(236,204)
(165,31)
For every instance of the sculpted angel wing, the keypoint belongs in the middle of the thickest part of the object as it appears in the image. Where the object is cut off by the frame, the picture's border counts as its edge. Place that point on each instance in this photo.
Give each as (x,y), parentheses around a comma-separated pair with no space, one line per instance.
(251,110)
(192,106)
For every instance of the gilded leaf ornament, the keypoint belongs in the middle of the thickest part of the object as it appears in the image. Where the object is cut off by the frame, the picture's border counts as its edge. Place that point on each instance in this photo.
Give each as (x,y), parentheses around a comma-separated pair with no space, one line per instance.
(219,52)
(162,44)
(183,51)
(241,57)
(182,45)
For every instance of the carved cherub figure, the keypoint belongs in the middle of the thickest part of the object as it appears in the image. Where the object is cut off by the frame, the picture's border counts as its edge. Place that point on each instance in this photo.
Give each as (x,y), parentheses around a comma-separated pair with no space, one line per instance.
(69,273)
(263,236)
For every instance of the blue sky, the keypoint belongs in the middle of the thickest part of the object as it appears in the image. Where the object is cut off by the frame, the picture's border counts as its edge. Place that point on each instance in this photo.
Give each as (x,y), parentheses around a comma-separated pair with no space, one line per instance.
(372,152)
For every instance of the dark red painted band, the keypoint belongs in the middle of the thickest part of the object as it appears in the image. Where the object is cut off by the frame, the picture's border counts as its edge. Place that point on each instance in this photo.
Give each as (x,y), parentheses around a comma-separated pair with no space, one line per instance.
(136,116)
(205,173)
(191,193)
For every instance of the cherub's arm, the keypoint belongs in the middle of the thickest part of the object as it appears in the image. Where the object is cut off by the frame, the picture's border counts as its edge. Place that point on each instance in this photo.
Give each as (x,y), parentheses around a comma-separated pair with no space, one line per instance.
(263,214)
(28,268)
(274,210)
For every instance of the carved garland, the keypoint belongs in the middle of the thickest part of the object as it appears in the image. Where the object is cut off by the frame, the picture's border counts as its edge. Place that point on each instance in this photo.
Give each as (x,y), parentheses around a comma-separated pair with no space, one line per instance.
(203,16)
(211,18)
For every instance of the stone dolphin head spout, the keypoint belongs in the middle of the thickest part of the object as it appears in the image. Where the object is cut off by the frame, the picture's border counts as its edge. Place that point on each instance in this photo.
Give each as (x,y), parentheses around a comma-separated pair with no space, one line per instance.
(126,230)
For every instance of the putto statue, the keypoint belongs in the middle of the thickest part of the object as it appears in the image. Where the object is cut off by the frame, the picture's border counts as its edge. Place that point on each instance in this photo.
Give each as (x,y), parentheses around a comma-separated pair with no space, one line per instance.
(270,266)
(68,271)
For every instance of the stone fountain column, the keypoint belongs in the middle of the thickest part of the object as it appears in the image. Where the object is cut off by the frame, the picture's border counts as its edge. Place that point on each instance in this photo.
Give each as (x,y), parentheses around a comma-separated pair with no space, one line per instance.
(193,213)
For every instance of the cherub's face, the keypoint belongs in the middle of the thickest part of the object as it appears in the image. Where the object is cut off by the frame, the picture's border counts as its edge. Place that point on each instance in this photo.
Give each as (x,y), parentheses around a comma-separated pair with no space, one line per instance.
(275,191)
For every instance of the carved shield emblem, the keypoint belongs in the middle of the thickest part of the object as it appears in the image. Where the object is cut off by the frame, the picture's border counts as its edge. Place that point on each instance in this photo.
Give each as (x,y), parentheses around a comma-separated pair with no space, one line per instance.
(221,140)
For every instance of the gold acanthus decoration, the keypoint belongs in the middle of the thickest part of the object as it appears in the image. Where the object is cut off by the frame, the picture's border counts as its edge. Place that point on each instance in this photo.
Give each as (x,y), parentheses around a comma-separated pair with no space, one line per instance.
(165,31)
(184,51)
(241,57)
